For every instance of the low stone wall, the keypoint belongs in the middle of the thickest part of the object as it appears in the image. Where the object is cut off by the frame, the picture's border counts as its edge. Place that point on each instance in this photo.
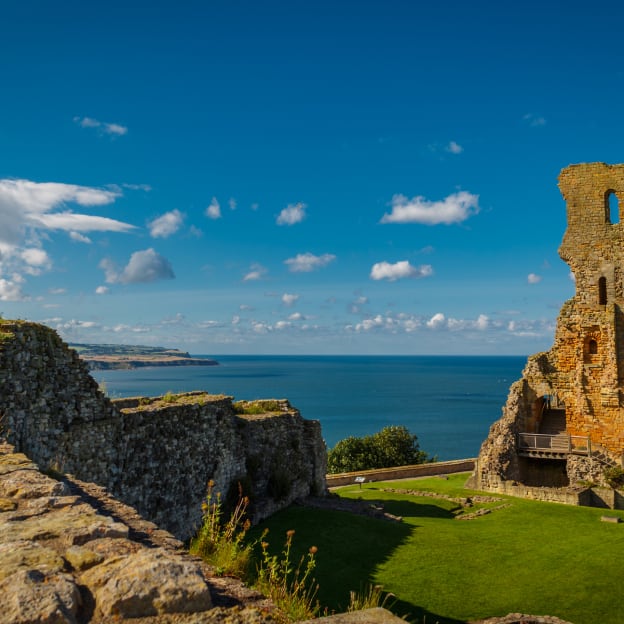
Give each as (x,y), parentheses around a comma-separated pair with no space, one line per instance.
(567,496)
(402,472)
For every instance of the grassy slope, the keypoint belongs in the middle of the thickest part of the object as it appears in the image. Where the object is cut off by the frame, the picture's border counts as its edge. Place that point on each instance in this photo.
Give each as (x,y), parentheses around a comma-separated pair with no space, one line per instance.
(531,557)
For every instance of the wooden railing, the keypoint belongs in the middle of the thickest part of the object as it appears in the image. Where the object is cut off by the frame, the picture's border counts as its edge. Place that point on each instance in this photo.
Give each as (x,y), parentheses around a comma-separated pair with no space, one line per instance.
(560,443)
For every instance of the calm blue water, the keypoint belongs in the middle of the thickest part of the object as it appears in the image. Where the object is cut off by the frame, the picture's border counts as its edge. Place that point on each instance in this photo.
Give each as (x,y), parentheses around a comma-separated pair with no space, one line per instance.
(449,402)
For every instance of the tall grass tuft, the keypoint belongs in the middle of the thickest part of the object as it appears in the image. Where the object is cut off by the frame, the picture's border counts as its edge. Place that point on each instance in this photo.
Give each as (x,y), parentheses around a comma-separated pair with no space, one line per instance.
(220,542)
(369,598)
(292,589)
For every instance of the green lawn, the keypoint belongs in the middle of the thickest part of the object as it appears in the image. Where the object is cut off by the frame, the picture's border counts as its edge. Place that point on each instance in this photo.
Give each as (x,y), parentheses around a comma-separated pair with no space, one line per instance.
(530,557)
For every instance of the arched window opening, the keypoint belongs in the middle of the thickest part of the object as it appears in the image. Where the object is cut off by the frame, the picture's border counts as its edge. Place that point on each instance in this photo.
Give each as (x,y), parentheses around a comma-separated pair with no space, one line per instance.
(602,291)
(612,207)
(592,347)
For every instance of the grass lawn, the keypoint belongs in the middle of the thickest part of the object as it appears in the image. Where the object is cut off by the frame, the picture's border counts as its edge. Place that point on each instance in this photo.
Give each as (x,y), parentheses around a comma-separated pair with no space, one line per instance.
(529,557)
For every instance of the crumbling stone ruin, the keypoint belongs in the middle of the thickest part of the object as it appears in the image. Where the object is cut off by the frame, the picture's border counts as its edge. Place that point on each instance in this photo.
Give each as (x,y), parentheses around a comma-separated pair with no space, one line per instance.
(155,454)
(563,423)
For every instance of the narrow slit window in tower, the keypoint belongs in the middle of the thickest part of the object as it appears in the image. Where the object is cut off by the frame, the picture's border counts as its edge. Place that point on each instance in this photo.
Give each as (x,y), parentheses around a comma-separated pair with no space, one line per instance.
(612,207)
(602,291)
(592,347)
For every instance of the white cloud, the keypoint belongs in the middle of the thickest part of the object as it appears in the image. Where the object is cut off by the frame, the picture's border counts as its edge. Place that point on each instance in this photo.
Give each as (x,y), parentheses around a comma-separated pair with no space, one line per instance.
(454,148)
(455,208)
(26,214)
(355,306)
(296,316)
(102,126)
(143,266)
(35,257)
(10,291)
(534,120)
(256,272)
(101,290)
(57,291)
(80,238)
(572,276)
(483,322)
(293,213)
(399,270)
(232,203)
(214,210)
(307,262)
(289,299)
(87,122)
(532,278)
(436,321)
(166,225)
(113,128)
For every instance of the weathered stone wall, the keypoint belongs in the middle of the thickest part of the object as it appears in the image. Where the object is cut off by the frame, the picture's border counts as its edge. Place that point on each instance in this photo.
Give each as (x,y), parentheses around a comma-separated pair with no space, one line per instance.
(584,370)
(155,454)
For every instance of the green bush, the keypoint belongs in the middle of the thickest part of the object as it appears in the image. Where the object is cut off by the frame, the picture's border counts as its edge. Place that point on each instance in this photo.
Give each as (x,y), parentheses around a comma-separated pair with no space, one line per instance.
(392,446)
(614,476)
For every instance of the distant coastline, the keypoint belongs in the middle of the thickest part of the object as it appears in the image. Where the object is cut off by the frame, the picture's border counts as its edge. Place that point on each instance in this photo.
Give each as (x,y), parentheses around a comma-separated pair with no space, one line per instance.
(127,357)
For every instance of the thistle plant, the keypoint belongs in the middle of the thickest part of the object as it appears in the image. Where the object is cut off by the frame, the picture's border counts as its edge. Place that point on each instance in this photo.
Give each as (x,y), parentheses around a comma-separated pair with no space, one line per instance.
(292,589)
(220,542)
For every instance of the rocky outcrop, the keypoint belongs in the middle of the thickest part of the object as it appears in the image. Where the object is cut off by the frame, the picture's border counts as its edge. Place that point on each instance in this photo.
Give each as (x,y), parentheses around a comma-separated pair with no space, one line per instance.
(155,454)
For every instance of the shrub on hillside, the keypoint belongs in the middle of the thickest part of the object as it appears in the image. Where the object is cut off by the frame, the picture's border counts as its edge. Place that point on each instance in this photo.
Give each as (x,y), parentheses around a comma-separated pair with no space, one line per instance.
(392,446)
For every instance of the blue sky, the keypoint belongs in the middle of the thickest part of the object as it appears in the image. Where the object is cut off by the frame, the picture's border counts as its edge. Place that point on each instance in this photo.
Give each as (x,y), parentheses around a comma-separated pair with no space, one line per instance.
(299,177)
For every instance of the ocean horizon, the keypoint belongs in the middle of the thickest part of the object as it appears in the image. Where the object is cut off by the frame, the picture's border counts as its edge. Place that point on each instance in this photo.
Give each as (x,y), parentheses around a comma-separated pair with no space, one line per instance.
(449,402)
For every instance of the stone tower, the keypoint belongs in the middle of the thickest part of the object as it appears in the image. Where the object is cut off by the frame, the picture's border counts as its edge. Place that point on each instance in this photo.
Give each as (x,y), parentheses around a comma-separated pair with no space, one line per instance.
(564,420)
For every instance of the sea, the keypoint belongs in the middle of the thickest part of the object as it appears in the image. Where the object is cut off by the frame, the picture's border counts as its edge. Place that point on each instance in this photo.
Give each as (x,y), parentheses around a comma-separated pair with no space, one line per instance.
(449,402)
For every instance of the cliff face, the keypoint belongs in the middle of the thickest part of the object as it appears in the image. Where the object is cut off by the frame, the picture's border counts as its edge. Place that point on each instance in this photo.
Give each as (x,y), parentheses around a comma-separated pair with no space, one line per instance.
(154,454)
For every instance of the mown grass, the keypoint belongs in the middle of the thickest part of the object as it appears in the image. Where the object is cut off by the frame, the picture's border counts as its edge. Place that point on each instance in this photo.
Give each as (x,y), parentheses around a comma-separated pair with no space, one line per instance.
(530,557)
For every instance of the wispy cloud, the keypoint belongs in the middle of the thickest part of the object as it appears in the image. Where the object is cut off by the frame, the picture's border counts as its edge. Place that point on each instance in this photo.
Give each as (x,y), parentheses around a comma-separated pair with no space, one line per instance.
(535,121)
(101,290)
(166,225)
(408,323)
(30,210)
(454,148)
(143,266)
(80,238)
(289,299)
(10,290)
(103,127)
(256,272)
(532,278)
(36,260)
(399,270)
(307,262)
(214,209)
(293,213)
(455,208)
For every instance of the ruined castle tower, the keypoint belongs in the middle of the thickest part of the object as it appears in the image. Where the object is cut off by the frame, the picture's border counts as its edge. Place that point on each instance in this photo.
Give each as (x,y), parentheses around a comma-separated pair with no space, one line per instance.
(564,420)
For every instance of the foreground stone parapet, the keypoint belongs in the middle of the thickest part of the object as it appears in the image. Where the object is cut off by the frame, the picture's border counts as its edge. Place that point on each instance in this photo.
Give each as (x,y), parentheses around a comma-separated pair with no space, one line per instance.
(69,558)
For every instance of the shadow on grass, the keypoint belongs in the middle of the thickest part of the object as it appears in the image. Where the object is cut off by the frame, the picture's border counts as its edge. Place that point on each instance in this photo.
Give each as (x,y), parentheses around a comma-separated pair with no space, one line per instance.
(350,547)
(409,509)
(417,615)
